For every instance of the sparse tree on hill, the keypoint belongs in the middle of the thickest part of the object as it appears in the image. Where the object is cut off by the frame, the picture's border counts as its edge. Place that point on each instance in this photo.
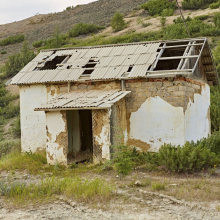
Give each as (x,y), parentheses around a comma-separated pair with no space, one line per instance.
(118,22)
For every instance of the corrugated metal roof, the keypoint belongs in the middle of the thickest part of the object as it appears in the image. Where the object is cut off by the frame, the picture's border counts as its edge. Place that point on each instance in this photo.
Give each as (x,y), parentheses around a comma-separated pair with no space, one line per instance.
(81,99)
(112,62)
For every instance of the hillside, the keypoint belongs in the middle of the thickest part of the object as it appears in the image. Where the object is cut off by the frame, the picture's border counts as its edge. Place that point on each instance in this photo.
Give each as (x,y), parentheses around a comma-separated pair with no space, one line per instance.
(42,26)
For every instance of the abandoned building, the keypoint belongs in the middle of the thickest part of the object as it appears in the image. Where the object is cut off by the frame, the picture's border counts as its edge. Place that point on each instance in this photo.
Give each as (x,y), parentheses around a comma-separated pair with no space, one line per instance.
(78,102)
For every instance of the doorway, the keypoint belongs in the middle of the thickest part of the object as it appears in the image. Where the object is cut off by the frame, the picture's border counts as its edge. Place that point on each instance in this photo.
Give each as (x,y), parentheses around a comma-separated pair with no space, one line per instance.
(80,137)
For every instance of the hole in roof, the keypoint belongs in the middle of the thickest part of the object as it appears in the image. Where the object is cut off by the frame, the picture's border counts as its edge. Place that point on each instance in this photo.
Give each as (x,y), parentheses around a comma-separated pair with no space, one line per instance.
(172,64)
(89,66)
(87,72)
(129,69)
(53,64)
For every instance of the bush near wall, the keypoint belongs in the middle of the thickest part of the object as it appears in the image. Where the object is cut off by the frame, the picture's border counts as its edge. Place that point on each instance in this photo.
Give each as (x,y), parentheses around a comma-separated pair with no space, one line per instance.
(12,40)
(191,157)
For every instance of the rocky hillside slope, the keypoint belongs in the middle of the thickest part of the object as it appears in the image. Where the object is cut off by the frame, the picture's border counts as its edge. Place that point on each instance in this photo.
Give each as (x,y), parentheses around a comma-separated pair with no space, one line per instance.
(42,26)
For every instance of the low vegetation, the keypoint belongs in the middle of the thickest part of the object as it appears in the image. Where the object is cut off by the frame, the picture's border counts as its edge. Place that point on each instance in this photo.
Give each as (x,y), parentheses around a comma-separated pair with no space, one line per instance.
(82,29)
(160,7)
(118,22)
(12,40)
(196,4)
(192,157)
(77,188)
(16,62)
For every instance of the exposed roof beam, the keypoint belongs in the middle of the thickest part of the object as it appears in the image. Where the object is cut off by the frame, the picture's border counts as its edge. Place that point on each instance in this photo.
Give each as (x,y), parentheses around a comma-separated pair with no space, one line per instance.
(177,46)
(178,57)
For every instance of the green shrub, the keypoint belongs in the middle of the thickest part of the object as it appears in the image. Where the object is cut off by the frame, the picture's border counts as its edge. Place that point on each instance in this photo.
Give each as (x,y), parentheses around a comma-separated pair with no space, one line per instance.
(216,19)
(196,28)
(3,52)
(12,40)
(215,107)
(189,158)
(196,4)
(69,8)
(214,5)
(82,28)
(159,7)
(163,21)
(202,17)
(17,61)
(167,12)
(118,22)
(37,44)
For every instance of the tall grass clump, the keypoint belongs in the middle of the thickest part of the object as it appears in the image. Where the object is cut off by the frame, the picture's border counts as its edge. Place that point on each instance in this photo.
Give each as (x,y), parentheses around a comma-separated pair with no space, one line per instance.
(77,188)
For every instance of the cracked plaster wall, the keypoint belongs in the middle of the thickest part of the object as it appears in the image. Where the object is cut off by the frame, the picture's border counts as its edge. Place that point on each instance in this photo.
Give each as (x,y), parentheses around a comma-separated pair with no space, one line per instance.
(170,112)
(57,140)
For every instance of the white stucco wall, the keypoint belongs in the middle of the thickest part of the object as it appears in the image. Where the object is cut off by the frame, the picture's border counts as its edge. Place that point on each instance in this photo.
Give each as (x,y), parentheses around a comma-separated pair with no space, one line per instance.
(157,122)
(33,123)
(55,125)
(197,118)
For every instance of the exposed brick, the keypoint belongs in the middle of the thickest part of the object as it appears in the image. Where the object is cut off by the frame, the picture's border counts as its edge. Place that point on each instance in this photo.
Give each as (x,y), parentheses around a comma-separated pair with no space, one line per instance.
(167,83)
(173,88)
(146,84)
(182,88)
(82,86)
(180,93)
(91,87)
(63,89)
(152,89)
(73,88)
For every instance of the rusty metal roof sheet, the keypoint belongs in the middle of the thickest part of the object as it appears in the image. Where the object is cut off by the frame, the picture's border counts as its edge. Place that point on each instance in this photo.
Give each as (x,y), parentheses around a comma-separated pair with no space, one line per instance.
(84,99)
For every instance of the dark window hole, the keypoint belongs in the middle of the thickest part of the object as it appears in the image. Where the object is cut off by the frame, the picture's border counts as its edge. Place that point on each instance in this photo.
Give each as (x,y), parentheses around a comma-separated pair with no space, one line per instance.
(52,65)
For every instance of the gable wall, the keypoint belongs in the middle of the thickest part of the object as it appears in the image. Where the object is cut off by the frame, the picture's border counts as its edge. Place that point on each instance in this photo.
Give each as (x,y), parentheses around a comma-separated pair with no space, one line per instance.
(162,111)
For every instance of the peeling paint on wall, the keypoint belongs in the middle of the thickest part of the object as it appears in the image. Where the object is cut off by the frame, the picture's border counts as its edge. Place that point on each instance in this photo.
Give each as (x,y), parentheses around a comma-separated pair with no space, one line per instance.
(156,122)
(197,116)
(101,135)
(57,143)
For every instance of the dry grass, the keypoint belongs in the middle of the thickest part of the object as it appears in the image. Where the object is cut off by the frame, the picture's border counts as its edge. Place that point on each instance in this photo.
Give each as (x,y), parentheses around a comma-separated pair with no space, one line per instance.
(77,188)
(36,163)
(190,189)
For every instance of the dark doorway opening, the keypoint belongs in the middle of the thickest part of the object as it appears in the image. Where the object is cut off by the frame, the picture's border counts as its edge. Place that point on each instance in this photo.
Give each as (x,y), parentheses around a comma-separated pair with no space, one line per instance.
(80,137)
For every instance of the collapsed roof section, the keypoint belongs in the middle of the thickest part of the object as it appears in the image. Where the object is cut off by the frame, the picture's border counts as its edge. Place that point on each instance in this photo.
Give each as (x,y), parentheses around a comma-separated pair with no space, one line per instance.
(84,99)
(122,61)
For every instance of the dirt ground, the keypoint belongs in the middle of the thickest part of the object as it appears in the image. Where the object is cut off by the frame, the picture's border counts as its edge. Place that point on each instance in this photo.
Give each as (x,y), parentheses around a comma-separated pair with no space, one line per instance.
(133,198)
